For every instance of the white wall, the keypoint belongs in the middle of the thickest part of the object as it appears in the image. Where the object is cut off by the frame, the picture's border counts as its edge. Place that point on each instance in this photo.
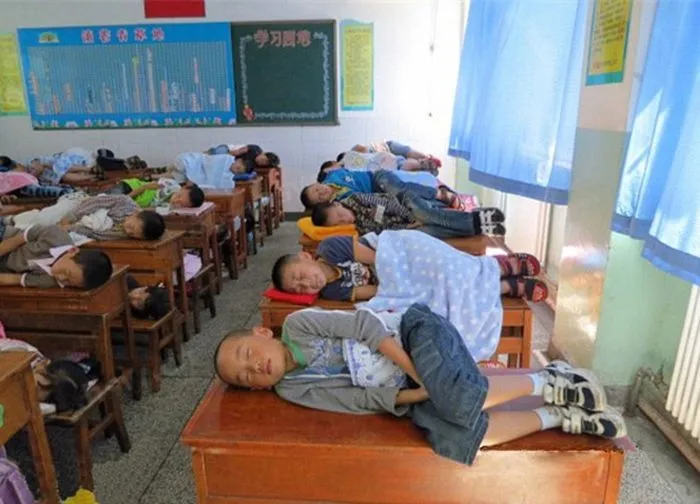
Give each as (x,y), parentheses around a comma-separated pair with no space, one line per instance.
(414,87)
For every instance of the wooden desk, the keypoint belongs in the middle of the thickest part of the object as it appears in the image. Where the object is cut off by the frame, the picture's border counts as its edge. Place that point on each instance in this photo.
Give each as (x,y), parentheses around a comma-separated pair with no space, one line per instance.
(474,245)
(200,234)
(162,256)
(253,194)
(516,335)
(251,446)
(272,186)
(74,320)
(229,206)
(19,397)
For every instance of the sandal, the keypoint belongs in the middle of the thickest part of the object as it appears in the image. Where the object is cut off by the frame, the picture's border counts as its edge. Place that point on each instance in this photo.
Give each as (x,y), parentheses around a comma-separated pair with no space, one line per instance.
(528,265)
(530,289)
(454,202)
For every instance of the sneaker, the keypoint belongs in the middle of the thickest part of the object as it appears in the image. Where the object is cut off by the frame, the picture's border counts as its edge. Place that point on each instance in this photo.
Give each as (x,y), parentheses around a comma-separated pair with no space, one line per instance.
(491,220)
(569,386)
(606,424)
(494,230)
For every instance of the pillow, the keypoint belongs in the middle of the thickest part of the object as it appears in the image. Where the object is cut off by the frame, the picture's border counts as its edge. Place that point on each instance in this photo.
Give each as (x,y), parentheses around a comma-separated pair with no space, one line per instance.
(13,180)
(301,299)
(319,233)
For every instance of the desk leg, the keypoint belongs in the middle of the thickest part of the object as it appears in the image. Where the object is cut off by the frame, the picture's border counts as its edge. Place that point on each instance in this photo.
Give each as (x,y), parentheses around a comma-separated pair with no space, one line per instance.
(216,257)
(232,260)
(39,444)
(183,301)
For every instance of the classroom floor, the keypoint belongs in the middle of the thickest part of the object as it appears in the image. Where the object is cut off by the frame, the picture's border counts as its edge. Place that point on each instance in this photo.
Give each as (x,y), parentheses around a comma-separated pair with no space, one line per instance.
(157,469)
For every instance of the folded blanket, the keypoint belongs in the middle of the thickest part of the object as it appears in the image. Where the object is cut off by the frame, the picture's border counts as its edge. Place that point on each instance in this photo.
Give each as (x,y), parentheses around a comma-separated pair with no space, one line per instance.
(413,267)
(319,233)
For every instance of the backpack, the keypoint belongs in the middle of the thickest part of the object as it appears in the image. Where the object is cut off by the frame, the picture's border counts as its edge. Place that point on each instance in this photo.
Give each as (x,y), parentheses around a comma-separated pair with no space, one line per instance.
(13,486)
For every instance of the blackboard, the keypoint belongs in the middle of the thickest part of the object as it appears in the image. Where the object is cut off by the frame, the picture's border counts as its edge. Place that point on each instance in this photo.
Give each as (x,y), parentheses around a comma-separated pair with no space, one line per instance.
(285,72)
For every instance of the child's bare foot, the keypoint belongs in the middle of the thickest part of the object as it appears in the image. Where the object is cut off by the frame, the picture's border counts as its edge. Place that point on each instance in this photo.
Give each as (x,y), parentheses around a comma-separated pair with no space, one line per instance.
(521,264)
(526,288)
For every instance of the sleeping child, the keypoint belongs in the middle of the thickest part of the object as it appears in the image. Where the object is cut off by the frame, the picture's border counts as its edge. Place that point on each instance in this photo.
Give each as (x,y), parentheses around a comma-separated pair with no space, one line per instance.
(364,362)
(211,171)
(147,302)
(376,212)
(345,268)
(41,189)
(44,256)
(161,192)
(101,217)
(248,157)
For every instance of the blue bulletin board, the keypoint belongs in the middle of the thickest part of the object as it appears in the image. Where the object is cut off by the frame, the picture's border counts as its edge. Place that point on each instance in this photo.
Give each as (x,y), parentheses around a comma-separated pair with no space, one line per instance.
(134,76)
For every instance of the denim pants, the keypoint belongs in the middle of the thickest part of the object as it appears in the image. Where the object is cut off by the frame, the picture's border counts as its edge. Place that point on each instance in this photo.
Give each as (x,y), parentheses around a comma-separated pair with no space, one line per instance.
(453,418)
(438,222)
(384,181)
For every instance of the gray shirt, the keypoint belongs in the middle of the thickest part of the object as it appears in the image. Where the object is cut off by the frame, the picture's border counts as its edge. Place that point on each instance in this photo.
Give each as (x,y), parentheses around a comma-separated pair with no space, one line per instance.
(40,241)
(315,339)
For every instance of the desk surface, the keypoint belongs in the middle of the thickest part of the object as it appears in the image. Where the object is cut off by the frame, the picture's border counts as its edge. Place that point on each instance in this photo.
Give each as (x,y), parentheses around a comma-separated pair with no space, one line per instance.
(12,363)
(168,237)
(61,293)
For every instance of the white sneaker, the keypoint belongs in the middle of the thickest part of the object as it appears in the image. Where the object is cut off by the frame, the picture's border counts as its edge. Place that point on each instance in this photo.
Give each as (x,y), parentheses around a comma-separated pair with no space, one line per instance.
(608,424)
(569,386)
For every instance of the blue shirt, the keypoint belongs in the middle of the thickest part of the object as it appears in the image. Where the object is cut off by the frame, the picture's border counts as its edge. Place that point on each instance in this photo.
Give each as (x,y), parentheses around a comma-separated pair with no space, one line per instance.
(353,181)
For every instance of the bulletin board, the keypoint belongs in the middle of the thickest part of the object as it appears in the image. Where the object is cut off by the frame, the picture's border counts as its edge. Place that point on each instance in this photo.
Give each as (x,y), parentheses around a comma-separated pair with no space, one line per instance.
(285,72)
(129,76)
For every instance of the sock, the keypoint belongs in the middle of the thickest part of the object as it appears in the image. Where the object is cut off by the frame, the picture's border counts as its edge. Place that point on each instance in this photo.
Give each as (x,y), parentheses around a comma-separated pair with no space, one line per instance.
(550,417)
(539,380)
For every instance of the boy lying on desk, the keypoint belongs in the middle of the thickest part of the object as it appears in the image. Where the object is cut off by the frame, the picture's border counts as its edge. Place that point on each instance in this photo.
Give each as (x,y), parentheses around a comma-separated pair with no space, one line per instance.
(44,256)
(39,190)
(248,157)
(161,192)
(348,269)
(376,212)
(417,365)
(211,171)
(101,217)
(342,183)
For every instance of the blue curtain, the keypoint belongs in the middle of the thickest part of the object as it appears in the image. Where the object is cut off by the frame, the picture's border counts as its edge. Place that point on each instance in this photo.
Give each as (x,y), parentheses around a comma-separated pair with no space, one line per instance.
(659,194)
(516,105)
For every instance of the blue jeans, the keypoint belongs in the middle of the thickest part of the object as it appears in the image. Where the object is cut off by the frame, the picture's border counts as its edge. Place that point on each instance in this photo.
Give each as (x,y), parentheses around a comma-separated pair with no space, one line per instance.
(438,222)
(397,148)
(384,181)
(453,418)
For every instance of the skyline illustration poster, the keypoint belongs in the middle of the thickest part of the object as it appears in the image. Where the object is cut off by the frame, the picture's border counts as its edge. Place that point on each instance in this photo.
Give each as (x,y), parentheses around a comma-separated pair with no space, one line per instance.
(129,76)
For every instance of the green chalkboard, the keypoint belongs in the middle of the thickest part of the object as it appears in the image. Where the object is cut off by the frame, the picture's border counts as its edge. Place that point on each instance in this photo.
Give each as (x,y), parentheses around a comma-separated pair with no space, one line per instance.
(285,72)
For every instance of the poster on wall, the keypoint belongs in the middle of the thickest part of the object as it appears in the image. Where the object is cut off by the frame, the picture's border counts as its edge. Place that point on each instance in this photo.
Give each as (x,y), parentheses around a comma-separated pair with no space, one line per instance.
(173,8)
(129,76)
(11,91)
(608,45)
(356,65)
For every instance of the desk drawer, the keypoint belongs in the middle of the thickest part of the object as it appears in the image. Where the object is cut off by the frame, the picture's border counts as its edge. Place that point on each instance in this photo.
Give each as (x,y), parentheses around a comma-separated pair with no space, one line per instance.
(16,411)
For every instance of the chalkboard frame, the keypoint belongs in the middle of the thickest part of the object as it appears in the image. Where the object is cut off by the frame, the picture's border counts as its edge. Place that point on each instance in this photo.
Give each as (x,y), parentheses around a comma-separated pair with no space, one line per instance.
(335,100)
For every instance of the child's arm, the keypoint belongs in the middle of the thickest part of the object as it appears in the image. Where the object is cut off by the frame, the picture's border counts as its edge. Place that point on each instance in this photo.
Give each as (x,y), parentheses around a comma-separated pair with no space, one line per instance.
(364,254)
(151,186)
(364,292)
(10,279)
(12,243)
(396,354)
(411,396)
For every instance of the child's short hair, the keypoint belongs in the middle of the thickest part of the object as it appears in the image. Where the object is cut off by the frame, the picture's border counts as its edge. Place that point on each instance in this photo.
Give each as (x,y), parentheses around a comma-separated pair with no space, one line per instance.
(7,162)
(153,224)
(322,171)
(278,270)
(319,214)
(96,266)
(273,160)
(157,304)
(340,157)
(196,195)
(239,333)
(305,198)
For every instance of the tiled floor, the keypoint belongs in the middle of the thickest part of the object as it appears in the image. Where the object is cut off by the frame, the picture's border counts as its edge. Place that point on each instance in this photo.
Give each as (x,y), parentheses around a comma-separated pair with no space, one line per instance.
(157,470)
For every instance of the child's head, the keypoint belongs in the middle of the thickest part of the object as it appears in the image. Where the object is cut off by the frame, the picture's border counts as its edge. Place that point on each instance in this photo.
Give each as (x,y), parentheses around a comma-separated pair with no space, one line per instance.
(316,193)
(252,358)
(149,302)
(267,160)
(84,269)
(190,196)
(340,157)
(326,166)
(298,274)
(332,214)
(6,162)
(238,166)
(144,225)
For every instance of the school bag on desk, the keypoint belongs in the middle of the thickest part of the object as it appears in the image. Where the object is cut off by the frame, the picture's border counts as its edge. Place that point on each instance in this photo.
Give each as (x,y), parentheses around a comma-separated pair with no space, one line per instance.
(13,486)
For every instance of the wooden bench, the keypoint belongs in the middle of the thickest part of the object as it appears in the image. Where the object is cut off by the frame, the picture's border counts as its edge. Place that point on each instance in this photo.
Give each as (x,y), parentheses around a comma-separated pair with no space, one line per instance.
(251,446)
(474,245)
(516,335)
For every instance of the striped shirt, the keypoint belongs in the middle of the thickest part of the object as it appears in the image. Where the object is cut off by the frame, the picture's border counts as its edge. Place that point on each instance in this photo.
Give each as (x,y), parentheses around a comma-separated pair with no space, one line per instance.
(118,206)
(376,212)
